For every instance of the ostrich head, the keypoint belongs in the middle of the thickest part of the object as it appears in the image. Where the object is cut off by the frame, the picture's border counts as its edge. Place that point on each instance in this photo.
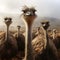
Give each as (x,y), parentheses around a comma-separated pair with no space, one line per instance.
(45,24)
(8,21)
(18,27)
(18,30)
(28,14)
(54,30)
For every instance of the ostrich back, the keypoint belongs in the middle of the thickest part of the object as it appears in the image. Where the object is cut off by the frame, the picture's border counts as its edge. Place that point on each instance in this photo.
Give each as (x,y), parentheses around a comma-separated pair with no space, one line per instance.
(50,53)
(57,42)
(20,42)
(38,45)
(21,45)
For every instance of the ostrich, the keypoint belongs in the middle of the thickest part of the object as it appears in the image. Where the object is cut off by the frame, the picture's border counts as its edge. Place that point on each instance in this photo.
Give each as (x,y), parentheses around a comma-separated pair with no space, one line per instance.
(54,33)
(9,48)
(28,16)
(8,21)
(21,43)
(56,39)
(50,51)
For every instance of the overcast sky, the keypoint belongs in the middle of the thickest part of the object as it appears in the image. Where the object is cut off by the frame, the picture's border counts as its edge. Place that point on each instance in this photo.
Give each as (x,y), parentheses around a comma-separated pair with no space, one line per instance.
(45,8)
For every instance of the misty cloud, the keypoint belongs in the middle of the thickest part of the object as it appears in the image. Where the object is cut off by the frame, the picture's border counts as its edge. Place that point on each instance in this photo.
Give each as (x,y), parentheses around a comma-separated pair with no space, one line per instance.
(45,8)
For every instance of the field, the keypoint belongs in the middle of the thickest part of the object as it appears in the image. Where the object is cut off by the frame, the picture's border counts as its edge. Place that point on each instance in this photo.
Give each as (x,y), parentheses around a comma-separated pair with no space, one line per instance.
(35,36)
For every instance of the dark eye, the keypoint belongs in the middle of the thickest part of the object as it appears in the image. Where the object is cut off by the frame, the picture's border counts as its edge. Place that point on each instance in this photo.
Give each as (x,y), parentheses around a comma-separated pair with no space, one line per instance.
(5,18)
(47,23)
(33,11)
(25,10)
(9,18)
(42,23)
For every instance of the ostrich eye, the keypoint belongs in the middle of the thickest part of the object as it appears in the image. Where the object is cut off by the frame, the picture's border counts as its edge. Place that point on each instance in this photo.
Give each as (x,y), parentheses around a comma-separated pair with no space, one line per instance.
(43,23)
(9,18)
(33,11)
(5,18)
(26,10)
(47,23)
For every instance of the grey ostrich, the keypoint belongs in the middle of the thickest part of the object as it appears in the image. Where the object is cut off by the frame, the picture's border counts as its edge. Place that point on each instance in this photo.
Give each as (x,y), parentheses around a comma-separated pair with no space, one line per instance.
(28,16)
(9,47)
(50,51)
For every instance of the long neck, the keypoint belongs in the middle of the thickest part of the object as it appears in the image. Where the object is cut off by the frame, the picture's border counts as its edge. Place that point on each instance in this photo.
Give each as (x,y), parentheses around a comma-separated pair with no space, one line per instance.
(28,44)
(7,33)
(18,32)
(53,35)
(45,38)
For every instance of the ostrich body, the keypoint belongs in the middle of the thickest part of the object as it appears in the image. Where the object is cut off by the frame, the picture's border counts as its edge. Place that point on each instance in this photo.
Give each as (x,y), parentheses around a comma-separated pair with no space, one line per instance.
(28,17)
(56,39)
(9,47)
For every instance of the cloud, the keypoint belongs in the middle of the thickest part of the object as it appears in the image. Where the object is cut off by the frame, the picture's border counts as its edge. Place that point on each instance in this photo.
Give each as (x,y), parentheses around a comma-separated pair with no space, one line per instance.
(44,7)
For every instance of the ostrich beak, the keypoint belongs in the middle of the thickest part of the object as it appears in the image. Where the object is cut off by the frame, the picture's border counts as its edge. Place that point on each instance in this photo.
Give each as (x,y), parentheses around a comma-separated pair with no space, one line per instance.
(44,25)
(28,13)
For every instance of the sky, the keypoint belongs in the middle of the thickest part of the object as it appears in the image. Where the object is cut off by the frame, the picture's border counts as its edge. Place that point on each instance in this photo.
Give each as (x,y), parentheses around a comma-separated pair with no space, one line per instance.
(45,8)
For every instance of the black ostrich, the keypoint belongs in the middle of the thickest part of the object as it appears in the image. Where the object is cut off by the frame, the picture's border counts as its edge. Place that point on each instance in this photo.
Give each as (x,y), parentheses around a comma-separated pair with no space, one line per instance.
(21,43)
(50,51)
(57,42)
(56,39)
(8,48)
